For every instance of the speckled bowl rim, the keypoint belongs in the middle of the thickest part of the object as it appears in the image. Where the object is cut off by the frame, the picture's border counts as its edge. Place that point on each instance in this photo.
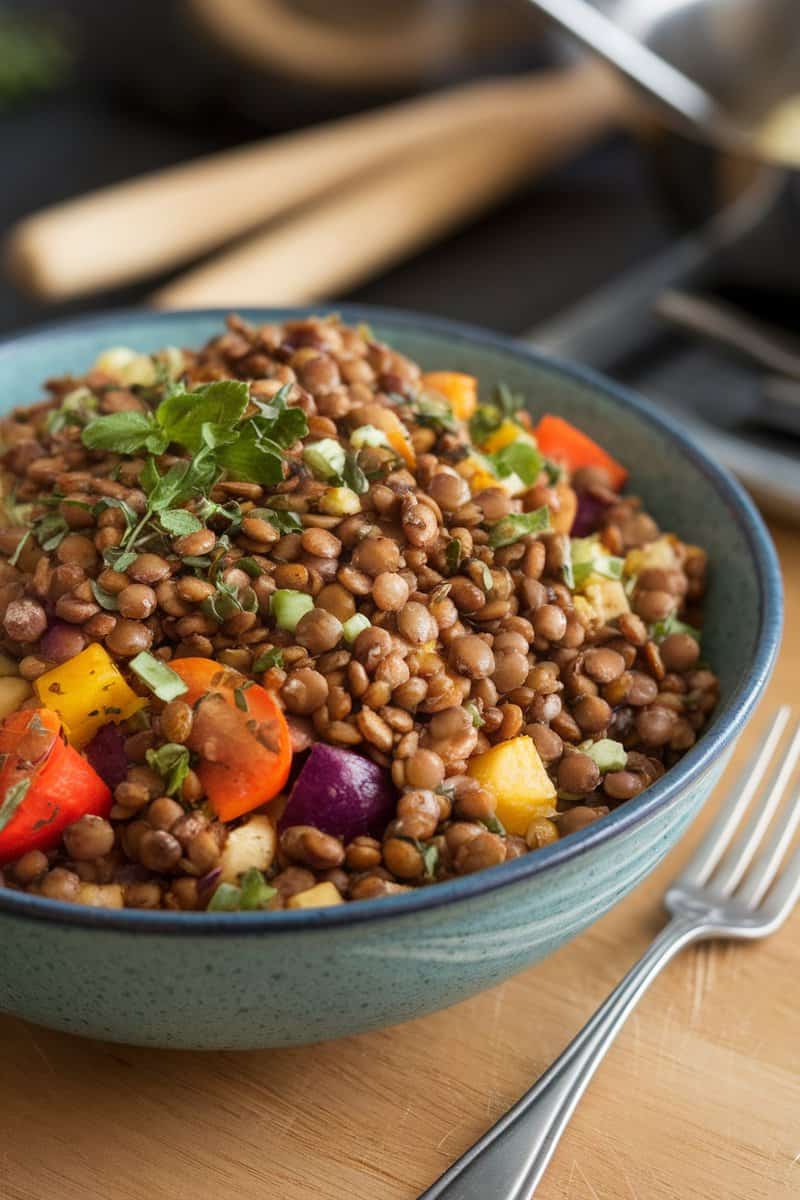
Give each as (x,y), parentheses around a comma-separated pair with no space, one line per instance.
(728,721)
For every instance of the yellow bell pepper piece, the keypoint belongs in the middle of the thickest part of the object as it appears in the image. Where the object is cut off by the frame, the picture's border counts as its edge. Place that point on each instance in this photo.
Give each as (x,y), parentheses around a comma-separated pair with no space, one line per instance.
(513,773)
(87,691)
(476,474)
(503,436)
(459,390)
(322,895)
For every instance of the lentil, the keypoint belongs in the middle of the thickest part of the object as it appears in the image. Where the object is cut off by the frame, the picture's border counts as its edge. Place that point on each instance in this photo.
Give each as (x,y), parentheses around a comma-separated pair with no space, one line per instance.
(459,645)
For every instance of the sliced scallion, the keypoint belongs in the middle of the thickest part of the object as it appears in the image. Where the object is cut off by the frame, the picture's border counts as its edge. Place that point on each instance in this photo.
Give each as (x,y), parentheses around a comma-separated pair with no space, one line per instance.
(161,679)
(288,606)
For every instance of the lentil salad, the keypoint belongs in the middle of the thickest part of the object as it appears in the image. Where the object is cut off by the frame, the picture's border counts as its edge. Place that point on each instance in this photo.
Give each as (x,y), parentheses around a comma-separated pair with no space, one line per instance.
(295,623)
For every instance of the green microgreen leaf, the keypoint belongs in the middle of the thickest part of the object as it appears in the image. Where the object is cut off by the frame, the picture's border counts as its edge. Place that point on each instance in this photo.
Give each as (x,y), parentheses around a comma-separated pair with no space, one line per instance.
(518,525)
(171,761)
(218,405)
(269,659)
(122,433)
(519,458)
(14,796)
(179,522)
(105,599)
(250,567)
(50,530)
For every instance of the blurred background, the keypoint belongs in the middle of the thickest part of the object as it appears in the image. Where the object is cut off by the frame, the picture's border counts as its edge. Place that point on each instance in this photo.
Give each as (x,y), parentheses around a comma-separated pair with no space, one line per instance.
(458,157)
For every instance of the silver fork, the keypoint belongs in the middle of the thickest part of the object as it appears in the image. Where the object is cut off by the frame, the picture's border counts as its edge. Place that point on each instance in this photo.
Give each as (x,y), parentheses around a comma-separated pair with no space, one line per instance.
(732,887)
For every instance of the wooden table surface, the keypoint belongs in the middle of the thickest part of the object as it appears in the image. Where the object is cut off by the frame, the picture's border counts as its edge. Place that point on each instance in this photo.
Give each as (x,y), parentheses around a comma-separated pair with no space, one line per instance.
(698,1100)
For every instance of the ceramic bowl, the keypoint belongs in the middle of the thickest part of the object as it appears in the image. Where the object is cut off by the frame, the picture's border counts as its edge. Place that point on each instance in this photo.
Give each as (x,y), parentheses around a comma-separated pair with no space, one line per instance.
(275,979)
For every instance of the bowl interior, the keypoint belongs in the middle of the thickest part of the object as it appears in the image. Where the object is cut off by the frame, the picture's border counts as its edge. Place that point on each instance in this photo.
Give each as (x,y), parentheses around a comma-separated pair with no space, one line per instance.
(677,489)
(680,487)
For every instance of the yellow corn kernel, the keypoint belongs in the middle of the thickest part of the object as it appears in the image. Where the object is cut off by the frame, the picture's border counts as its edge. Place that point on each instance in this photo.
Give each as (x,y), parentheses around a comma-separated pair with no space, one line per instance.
(514,774)
(87,691)
(321,895)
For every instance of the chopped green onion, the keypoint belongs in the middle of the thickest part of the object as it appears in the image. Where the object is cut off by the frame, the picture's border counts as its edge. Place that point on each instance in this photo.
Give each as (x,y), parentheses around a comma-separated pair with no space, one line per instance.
(288,606)
(225,899)
(494,825)
(474,714)
(368,435)
(326,458)
(255,893)
(161,679)
(518,525)
(353,626)
(608,754)
(606,565)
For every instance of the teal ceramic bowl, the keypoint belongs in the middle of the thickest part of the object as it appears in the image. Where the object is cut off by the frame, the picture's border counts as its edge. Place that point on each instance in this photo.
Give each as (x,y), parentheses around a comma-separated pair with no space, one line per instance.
(277,979)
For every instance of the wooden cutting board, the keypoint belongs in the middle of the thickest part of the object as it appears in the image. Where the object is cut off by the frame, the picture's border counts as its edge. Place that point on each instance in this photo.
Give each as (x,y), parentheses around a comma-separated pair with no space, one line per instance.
(698,1100)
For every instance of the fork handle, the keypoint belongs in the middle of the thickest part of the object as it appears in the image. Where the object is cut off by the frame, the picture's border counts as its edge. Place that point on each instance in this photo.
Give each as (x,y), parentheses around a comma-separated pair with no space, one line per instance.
(508,1162)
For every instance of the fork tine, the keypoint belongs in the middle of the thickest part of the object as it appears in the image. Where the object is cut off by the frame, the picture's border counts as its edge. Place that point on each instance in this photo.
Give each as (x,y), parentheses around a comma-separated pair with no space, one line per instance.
(711,848)
(785,894)
(738,857)
(765,868)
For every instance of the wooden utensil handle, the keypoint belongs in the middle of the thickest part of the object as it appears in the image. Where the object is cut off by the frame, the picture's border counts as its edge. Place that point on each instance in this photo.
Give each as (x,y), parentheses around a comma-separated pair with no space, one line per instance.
(398,208)
(144,226)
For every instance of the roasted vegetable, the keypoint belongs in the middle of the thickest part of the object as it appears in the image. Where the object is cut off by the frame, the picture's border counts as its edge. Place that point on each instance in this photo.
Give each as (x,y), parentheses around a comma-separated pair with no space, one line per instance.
(342,793)
(87,692)
(45,784)
(240,735)
(513,773)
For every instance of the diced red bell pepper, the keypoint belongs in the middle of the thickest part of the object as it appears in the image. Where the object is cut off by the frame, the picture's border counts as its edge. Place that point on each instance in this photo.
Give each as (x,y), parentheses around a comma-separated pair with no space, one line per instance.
(45,784)
(562,442)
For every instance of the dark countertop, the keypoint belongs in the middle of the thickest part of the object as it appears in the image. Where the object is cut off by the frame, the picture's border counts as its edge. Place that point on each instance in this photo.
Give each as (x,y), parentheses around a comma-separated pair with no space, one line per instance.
(518,265)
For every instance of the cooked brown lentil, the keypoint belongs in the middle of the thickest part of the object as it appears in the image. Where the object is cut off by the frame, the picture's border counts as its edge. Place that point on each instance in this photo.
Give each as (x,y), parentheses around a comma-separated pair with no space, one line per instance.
(459,644)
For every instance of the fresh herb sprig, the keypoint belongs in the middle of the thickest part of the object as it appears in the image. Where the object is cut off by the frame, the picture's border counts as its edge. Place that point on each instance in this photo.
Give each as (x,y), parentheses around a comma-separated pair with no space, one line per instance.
(210,423)
(210,419)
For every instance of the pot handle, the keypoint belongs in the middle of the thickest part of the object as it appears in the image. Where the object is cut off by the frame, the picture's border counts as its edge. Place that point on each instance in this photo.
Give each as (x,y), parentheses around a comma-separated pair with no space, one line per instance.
(620,319)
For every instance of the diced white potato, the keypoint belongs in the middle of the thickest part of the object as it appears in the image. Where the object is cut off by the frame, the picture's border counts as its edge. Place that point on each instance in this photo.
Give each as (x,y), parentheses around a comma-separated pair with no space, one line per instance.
(114,360)
(322,895)
(126,365)
(13,691)
(101,895)
(660,553)
(607,598)
(250,845)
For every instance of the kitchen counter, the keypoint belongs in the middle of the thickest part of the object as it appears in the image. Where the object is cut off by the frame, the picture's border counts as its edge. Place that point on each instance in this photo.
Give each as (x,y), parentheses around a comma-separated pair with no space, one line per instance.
(698,1099)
